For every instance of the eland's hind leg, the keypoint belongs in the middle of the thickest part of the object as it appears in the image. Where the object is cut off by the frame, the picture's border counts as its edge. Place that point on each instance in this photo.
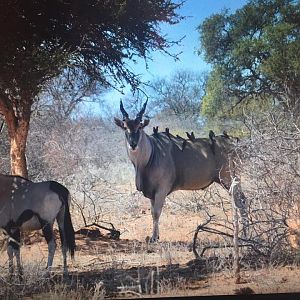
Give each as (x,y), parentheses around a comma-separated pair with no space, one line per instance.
(61,227)
(47,229)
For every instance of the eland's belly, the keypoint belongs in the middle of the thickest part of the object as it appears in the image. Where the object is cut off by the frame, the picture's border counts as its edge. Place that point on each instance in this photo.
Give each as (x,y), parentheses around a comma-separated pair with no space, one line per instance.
(193,185)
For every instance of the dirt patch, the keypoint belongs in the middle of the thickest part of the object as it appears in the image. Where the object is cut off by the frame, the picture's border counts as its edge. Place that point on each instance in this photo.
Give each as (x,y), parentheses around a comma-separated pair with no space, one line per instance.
(130,267)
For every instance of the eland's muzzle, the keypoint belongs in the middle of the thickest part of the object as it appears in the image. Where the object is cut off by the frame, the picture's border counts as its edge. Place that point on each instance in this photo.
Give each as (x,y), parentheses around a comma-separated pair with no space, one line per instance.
(133,145)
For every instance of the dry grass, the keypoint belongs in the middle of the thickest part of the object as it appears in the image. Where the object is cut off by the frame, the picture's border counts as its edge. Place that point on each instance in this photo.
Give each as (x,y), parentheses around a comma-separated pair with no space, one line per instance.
(130,267)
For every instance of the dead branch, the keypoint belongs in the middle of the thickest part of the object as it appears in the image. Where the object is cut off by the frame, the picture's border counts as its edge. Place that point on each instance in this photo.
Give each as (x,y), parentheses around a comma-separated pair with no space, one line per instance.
(114,234)
(235,214)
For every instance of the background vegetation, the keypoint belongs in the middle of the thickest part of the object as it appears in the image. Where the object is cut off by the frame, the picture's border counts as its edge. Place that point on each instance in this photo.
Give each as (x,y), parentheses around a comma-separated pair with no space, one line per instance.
(50,74)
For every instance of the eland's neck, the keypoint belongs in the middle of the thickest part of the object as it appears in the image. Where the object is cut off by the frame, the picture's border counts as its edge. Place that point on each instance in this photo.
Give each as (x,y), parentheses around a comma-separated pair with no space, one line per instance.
(141,155)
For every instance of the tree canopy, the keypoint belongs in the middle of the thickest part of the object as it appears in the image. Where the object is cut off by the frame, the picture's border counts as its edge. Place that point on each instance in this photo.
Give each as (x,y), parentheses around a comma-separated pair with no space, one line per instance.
(180,94)
(39,39)
(254,53)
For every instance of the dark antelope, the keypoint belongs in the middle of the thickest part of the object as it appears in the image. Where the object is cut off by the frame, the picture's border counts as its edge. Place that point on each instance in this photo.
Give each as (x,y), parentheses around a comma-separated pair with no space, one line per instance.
(164,163)
(27,206)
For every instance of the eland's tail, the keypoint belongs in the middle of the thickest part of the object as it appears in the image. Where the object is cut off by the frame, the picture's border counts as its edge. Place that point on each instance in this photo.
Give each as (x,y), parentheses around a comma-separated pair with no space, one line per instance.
(69,230)
(67,234)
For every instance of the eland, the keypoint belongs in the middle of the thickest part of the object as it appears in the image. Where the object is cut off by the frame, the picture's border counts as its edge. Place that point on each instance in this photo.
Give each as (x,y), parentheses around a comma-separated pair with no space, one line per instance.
(164,163)
(28,206)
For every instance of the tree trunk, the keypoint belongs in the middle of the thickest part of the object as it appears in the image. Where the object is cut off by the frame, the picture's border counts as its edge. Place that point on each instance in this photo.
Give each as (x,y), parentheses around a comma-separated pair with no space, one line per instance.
(18,139)
(17,121)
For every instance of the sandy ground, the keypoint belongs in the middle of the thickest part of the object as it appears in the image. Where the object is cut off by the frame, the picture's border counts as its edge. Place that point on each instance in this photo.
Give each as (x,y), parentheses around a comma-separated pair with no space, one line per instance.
(130,266)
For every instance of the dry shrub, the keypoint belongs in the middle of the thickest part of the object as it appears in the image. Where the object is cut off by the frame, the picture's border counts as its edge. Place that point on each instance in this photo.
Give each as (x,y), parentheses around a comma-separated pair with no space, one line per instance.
(293,223)
(271,181)
(272,172)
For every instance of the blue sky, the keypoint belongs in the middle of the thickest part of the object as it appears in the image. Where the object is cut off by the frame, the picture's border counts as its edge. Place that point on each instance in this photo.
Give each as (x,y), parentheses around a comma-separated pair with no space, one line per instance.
(163,65)
(196,12)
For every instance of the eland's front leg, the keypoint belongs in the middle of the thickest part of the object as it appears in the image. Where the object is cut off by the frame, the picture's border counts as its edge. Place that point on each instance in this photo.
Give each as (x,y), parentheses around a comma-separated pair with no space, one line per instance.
(10,253)
(156,208)
(13,249)
(19,265)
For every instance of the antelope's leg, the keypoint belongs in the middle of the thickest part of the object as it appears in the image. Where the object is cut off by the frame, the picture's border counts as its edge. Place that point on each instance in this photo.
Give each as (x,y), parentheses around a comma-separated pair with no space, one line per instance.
(156,208)
(10,253)
(60,222)
(14,249)
(18,259)
(49,236)
(51,252)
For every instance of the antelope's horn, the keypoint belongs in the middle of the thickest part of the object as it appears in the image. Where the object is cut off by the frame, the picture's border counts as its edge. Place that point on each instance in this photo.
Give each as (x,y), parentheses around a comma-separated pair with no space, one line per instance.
(139,116)
(123,111)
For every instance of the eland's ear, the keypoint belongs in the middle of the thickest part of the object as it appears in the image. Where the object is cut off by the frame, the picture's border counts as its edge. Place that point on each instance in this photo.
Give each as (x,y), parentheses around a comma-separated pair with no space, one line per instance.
(119,123)
(145,123)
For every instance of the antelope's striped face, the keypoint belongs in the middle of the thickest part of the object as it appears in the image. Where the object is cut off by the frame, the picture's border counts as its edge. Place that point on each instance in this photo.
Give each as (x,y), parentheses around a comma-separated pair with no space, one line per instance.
(132,130)
(132,133)
(132,127)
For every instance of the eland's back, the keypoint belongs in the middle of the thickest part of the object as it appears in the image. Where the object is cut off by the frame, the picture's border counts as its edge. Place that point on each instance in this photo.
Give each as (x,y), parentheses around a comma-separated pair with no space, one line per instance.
(192,167)
(195,165)
(18,195)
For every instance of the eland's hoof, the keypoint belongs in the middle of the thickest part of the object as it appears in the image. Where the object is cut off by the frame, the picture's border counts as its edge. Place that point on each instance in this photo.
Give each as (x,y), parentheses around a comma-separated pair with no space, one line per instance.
(153,240)
(65,273)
